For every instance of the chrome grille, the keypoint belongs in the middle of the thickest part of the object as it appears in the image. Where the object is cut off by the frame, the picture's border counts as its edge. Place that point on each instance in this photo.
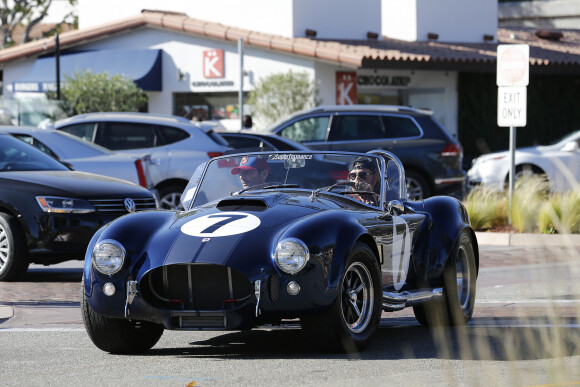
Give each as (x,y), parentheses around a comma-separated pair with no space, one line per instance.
(118,205)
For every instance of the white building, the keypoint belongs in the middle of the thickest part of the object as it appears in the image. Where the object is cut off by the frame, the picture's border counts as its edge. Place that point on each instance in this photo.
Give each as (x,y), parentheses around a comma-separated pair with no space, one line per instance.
(186,57)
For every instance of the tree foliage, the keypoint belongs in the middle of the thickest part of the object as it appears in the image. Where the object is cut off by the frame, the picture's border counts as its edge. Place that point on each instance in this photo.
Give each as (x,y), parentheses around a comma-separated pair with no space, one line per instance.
(14,13)
(281,94)
(87,92)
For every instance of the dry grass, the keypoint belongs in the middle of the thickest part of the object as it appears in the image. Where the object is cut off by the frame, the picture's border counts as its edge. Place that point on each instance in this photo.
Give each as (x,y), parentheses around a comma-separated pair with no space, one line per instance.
(534,208)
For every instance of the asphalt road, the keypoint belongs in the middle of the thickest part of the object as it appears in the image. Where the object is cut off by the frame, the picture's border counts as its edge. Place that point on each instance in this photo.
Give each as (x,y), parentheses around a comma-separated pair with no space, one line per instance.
(524,332)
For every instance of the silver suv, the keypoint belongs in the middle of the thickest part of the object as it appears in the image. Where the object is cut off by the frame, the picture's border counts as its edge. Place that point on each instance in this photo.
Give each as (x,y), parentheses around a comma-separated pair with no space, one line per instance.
(177,145)
(431,156)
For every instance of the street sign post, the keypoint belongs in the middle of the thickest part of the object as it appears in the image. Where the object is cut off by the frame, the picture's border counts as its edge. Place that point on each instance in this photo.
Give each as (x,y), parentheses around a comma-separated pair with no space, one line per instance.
(513,75)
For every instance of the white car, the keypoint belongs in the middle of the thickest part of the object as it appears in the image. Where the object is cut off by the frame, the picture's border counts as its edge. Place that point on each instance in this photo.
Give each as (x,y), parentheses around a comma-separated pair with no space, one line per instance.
(177,145)
(560,162)
(85,156)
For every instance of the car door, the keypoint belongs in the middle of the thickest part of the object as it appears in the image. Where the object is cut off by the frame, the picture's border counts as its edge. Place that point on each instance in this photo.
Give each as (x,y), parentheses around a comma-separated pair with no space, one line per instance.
(357,132)
(136,138)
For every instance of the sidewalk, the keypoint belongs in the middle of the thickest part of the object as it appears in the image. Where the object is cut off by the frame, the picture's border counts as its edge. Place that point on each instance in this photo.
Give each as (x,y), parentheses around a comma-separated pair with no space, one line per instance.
(5,312)
(527,240)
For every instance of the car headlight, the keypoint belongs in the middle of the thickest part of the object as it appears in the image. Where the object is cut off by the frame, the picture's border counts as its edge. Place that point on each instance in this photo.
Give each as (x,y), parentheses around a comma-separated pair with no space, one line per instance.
(291,255)
(64,205)
(108,256)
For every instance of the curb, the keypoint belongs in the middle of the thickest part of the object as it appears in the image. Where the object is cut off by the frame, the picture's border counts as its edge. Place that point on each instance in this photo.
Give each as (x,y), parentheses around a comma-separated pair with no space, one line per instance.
(527,240)
(6,312)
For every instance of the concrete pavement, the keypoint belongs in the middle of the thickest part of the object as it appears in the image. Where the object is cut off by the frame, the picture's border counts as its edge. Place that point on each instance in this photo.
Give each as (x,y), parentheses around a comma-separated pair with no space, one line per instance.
(527,240)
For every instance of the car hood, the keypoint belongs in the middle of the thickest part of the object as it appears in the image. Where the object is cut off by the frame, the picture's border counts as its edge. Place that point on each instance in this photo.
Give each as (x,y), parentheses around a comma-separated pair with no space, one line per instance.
(239,232)
(71,183)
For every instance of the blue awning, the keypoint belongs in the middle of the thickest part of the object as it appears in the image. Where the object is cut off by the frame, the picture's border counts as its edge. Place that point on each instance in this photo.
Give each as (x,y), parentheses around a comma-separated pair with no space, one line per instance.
(142,66)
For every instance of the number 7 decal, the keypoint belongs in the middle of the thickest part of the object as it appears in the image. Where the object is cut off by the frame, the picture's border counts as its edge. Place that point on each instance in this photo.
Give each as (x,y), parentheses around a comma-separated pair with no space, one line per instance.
(221,224)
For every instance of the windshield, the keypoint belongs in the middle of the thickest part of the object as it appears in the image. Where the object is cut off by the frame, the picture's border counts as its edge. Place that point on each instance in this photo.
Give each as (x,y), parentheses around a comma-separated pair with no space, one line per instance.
(357,177)
(16,155)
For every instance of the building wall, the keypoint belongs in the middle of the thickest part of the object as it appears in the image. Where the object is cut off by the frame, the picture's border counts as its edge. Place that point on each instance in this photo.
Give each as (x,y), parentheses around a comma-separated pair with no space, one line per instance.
(451,20)
(540,14)
(335,19)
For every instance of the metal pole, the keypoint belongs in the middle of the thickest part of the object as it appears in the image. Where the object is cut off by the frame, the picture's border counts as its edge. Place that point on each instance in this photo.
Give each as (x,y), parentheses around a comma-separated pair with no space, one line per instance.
(241,91)
(57,57)
(512,171)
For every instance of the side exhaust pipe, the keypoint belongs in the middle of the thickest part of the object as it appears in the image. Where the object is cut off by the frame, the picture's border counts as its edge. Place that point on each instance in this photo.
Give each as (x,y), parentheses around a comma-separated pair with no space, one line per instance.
(393,301)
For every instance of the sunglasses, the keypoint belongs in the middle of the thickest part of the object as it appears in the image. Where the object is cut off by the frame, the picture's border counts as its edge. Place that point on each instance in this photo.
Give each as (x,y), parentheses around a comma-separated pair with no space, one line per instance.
(362,175)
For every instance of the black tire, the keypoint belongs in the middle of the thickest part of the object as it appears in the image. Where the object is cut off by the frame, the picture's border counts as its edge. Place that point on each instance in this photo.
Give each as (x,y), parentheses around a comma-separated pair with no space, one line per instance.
(169,197)
(353,318)
(459,279)
(116,335)
(417,186)
(13,254)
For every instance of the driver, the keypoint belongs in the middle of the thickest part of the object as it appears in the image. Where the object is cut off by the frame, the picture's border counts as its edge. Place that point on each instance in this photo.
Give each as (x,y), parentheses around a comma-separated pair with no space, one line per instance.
(364,173)
(252,170)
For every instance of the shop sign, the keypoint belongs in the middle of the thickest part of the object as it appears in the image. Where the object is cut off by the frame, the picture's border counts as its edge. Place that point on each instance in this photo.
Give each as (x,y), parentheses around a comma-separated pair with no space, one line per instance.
(383,80)
(213,64)
(346,88)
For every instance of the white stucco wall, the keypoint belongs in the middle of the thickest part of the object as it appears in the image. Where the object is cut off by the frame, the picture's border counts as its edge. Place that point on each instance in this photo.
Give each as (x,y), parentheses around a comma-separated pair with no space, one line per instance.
(452,20)
(185,53)
(336,19)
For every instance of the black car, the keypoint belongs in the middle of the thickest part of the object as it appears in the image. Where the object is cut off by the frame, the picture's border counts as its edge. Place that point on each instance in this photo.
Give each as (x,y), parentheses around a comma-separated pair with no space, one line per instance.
(246,139)
(258,244)
(431,156)
(48,213)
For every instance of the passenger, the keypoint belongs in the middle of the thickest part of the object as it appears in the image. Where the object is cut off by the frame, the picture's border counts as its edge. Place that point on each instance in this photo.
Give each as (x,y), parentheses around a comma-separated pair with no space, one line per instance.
(252,170)
(365,174)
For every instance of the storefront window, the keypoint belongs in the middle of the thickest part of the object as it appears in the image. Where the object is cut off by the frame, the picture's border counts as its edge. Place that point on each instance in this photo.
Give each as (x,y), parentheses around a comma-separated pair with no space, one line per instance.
(208,106)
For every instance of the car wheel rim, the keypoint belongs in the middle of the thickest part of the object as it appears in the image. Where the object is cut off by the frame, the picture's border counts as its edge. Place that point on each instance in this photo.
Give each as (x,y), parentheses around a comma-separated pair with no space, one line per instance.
(357,297)
(414,190)
(463,278)
(4,248)
(171,201)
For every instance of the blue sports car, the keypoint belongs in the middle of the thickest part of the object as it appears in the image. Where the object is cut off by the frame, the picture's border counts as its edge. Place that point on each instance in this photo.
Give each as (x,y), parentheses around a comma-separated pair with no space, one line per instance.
(272,237)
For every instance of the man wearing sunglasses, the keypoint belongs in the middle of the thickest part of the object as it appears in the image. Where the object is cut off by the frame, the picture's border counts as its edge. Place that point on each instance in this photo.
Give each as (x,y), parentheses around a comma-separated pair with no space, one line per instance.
(364,172)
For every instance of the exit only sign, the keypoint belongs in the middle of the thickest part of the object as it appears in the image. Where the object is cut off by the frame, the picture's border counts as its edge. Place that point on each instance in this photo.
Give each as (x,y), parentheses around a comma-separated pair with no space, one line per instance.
(512,78)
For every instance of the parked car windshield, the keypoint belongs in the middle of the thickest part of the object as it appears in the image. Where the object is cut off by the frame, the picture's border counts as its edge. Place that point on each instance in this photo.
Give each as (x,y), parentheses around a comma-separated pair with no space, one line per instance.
(357,177)
(16,155)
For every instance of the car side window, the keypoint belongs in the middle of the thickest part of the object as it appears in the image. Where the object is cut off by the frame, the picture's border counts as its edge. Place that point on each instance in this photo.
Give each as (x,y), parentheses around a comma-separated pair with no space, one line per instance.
(238,142)
(171,134)
(399,127)
(307,129)
(356,127)
(86,130)
(34,142)
(124,135)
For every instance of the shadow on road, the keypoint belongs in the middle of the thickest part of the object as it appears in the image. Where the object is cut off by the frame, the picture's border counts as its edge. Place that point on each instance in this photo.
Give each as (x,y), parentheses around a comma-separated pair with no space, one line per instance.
(534,341)
(51,274)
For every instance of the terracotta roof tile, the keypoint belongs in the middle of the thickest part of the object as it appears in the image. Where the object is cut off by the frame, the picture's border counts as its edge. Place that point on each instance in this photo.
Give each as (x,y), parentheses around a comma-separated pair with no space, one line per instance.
(234,34)
(354,53)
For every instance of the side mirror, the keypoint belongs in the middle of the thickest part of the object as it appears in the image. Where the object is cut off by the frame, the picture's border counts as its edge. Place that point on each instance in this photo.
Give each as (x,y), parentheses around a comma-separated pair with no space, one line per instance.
(570,146)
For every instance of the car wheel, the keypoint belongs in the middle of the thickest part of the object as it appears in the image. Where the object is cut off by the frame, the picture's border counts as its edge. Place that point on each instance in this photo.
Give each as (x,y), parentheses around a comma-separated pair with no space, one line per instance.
(459,278)
(417,186)
(355,315)
(118,335)
(13,259)
(525,171)
(169,197)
